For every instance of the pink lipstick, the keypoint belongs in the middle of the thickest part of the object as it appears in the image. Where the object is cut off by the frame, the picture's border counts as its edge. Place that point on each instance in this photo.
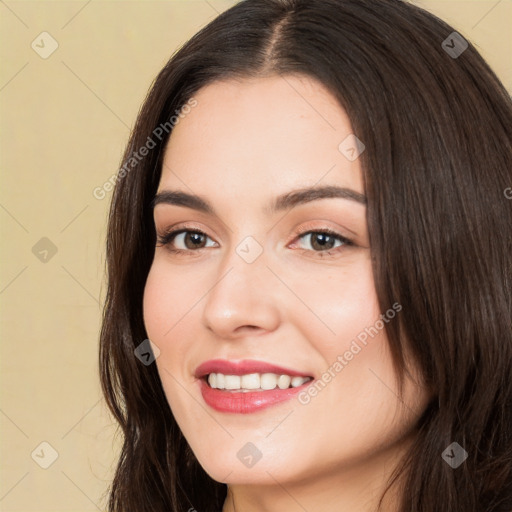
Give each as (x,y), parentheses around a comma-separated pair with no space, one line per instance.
(248,386)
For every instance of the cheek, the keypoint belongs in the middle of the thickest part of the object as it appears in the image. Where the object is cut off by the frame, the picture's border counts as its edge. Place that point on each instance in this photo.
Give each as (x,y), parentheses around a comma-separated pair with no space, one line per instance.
(168,297)
(157,302)
(341,304)
(357,381)
(165,305)
(166,301)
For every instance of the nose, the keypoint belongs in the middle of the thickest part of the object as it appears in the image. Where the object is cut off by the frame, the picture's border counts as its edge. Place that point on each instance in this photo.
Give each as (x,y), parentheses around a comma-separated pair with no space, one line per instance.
(242,300)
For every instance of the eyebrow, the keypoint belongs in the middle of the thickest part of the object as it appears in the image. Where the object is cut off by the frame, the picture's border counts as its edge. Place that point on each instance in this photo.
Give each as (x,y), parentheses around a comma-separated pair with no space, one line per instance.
(283,202)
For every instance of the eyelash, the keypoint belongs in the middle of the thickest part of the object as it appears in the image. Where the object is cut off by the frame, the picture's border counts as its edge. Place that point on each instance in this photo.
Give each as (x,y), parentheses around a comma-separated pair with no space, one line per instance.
(167,237)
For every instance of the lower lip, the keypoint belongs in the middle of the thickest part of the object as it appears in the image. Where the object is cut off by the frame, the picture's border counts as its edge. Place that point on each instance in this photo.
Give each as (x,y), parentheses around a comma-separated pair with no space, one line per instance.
(246,402)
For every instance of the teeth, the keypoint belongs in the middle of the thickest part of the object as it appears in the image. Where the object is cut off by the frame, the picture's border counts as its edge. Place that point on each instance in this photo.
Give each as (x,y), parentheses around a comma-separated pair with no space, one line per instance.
(251,381)
(284,381)
(232,381)
(268,381)
(254,381)
(298,381)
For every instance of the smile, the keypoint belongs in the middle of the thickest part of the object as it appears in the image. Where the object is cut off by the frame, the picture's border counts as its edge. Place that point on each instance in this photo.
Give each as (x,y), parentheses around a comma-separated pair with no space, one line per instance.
(247,386)
(254,381)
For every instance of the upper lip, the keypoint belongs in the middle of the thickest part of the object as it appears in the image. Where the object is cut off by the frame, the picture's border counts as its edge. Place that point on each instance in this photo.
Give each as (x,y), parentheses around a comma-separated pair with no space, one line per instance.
(243,367)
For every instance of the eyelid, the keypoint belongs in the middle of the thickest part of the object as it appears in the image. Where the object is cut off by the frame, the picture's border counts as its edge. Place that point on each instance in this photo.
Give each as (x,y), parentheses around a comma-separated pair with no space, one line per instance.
(180,227)
(314,227)
(175,231)
(309,228)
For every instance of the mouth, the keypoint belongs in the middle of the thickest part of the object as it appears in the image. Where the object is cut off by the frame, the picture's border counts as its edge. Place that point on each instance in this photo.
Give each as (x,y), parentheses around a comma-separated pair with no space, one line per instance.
(252,382)
(247,386)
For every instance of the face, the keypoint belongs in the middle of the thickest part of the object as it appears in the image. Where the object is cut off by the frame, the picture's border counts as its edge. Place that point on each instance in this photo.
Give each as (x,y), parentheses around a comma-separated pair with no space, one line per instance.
(265,288)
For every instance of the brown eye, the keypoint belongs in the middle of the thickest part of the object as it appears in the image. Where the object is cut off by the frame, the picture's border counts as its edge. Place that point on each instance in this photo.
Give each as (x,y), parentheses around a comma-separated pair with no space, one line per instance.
(325,240)
(194,240)
(184,239)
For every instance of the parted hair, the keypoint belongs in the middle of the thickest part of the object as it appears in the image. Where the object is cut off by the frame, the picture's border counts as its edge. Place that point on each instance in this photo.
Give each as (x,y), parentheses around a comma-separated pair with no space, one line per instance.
(438,161)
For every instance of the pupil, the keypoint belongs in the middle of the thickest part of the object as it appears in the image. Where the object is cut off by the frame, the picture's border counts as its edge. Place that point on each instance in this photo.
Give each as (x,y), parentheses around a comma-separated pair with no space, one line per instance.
(322,239)
(195,238)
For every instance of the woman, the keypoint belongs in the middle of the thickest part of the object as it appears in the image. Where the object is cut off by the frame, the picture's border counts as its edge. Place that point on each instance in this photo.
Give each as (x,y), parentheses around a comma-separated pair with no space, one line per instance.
(311,227)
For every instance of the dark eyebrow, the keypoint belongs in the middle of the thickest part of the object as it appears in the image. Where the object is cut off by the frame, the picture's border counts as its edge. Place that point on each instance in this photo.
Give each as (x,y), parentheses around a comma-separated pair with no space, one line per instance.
(305,195)
(282,202)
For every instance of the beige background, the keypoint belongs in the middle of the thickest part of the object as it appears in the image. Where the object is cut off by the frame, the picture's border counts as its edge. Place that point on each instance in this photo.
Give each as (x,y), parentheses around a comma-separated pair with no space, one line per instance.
(64,121)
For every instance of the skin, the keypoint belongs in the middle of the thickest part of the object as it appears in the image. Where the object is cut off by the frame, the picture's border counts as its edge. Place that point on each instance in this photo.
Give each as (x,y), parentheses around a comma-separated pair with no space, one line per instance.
(244,143)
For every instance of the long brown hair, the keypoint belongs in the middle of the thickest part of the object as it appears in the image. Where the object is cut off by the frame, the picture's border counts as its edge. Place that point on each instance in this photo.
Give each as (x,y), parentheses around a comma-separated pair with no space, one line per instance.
(437,127)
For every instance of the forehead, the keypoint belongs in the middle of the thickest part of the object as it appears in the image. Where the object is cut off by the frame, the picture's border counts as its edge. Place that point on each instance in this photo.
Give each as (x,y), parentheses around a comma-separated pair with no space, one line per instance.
(275,132)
